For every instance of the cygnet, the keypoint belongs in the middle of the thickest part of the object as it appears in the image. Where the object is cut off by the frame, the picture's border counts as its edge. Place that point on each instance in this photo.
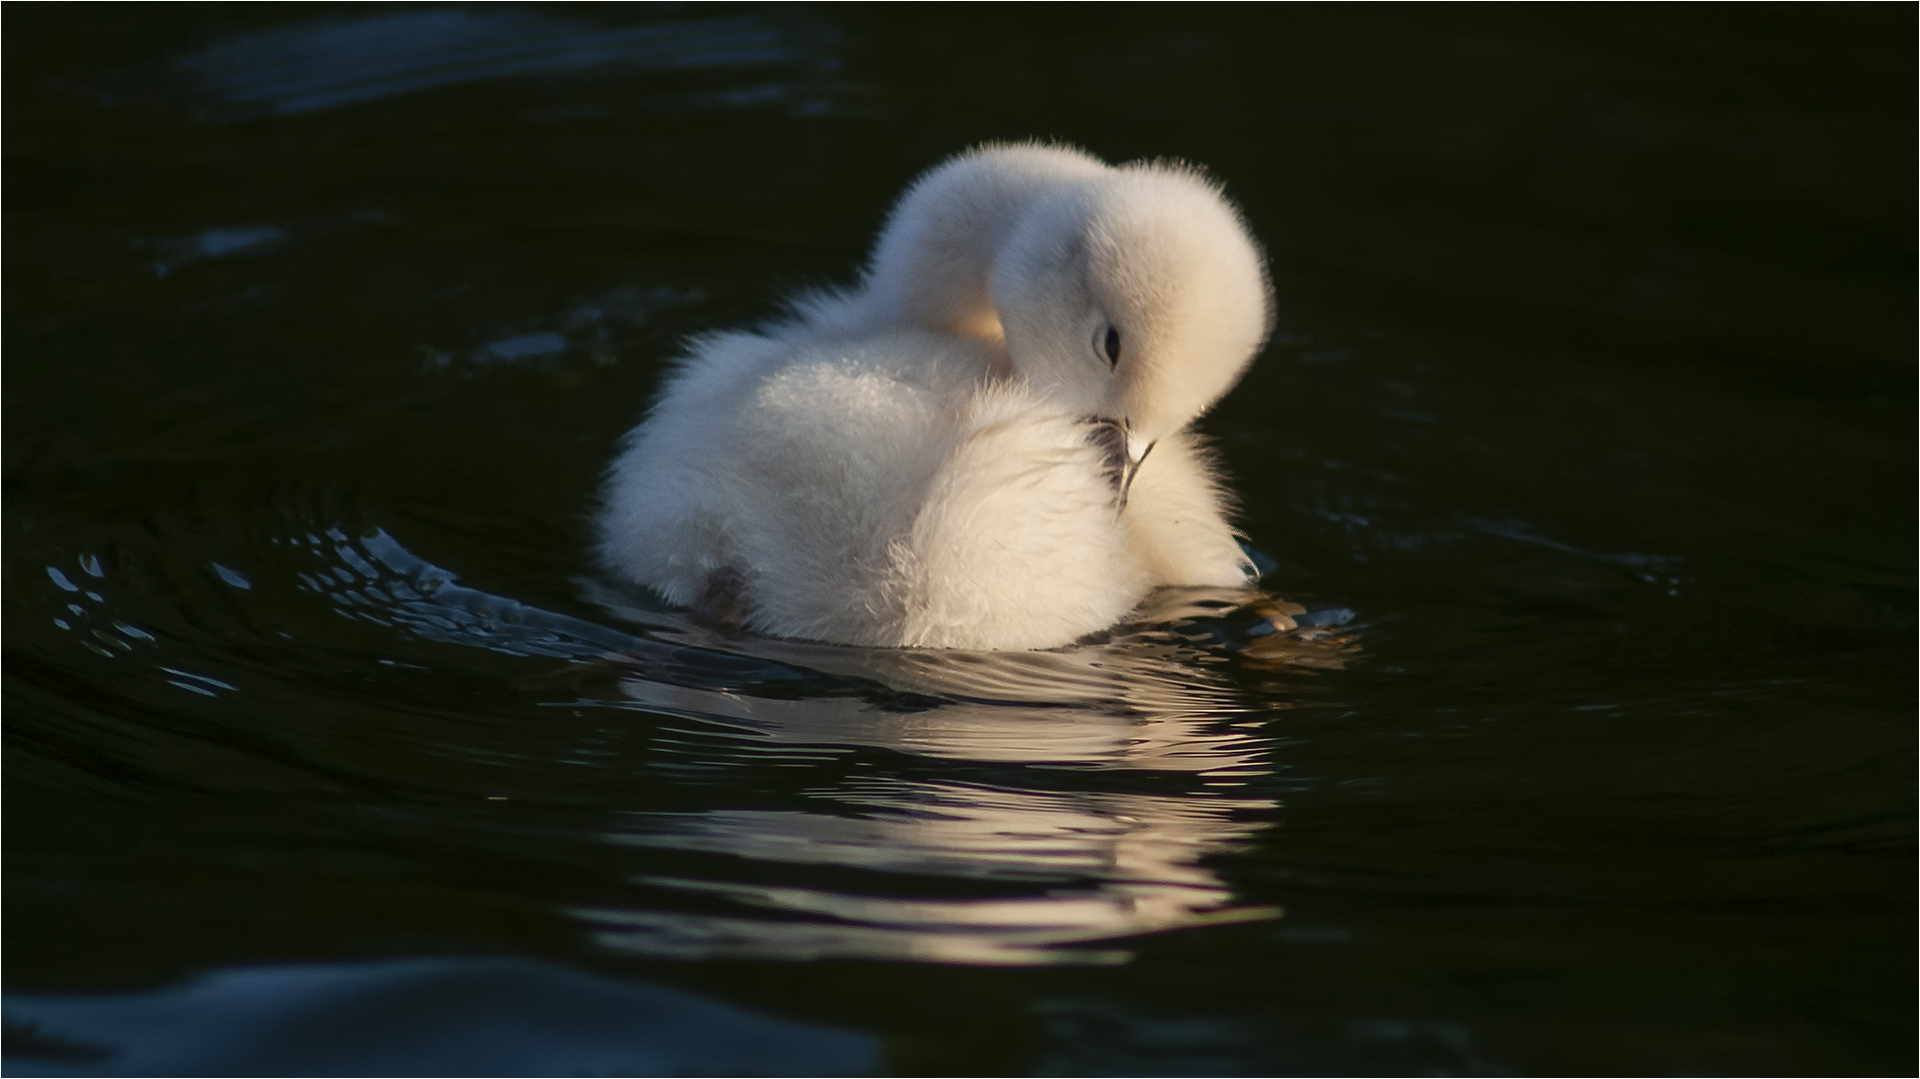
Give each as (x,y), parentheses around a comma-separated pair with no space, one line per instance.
(982,445)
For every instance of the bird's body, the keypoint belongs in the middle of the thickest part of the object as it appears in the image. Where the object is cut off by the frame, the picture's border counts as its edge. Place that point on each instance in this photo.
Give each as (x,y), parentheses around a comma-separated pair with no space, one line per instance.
(915,462)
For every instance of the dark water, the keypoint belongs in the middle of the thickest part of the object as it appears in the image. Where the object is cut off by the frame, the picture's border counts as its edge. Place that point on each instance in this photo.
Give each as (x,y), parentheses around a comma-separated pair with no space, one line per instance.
(1587,440)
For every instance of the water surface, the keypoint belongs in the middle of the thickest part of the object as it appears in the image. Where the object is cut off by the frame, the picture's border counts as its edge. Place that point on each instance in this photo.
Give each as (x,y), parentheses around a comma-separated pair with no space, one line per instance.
(1583,455)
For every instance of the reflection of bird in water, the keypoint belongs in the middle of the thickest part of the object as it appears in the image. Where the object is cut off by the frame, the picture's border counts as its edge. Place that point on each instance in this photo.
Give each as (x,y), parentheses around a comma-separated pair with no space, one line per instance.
(1128,863)
(984,445)
(1011,861)
(1139,699)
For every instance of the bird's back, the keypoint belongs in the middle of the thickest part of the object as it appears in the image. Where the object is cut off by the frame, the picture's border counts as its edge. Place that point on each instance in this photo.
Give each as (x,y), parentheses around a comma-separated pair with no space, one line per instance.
(880,491)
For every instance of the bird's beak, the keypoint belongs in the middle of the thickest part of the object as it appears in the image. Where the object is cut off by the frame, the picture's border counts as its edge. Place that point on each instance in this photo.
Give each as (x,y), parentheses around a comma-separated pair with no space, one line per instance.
(1137,451)
(1124,450)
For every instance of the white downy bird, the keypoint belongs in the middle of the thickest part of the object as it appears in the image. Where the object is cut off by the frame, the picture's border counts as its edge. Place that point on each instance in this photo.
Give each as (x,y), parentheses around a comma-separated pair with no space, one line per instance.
(984,444)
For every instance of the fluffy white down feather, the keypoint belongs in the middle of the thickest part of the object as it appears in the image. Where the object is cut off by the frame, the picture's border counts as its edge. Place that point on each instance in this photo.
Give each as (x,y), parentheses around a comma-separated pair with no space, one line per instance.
(887,468)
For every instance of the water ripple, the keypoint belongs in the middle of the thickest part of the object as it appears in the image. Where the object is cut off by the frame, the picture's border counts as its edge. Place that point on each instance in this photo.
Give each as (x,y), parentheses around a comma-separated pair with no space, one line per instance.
(321,65)
(896,856)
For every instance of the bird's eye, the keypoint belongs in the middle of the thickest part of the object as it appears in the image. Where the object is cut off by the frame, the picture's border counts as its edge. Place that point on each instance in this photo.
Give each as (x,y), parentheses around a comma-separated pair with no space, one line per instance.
(1112,346)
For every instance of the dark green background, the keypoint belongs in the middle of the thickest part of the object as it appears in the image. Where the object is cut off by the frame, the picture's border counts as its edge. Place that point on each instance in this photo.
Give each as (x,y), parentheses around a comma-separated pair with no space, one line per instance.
(1592,395)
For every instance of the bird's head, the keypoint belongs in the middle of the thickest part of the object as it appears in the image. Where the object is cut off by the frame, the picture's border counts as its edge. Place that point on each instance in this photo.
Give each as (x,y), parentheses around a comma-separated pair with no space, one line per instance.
(1136,297)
